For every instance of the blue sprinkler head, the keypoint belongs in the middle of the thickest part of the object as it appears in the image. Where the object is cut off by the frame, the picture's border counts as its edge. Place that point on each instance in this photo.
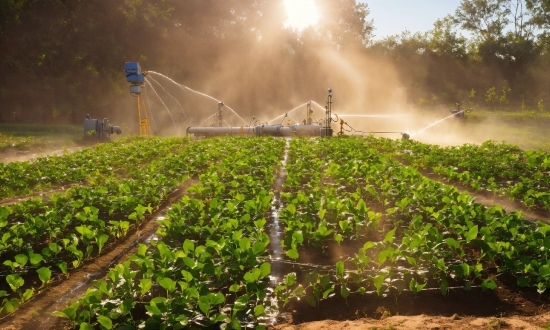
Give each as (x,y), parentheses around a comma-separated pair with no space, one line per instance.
(133,73)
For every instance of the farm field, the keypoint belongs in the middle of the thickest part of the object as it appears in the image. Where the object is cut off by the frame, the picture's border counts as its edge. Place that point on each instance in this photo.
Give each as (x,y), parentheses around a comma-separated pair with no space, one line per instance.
(525,129)
(267,232)
(20,141)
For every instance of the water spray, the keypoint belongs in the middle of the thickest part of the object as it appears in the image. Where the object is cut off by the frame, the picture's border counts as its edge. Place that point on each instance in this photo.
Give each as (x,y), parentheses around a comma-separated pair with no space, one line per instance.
(164,89)
(457,113)
(161,101)
(183,87)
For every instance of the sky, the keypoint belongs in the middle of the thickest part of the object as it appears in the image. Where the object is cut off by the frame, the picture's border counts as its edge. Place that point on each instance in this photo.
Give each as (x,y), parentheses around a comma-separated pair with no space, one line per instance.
(395,16)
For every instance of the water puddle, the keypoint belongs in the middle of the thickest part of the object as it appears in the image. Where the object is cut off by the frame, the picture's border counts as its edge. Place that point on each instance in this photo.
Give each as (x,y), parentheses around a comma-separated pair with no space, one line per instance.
(276,232)
(275,229)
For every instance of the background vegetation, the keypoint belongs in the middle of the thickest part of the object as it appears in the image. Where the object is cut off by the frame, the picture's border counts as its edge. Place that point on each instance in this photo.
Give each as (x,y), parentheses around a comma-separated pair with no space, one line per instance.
(62,59)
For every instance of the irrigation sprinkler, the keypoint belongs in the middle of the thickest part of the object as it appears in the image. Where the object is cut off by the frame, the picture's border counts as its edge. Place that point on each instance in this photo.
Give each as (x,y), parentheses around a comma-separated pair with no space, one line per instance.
(219,115)
(460,113)
(327,131)
(136,78)
(286,115)
(309,114)
(308,129)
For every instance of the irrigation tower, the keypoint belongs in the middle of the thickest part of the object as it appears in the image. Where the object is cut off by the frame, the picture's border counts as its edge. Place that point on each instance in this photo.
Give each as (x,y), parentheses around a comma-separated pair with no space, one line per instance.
(136,77)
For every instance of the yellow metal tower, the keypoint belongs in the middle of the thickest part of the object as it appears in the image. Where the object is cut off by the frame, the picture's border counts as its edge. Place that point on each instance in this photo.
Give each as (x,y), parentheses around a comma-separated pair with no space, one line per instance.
(136,77)
(144,128)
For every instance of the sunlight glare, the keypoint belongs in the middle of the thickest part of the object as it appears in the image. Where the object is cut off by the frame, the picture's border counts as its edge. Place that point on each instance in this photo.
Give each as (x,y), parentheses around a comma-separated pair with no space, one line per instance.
(301,13)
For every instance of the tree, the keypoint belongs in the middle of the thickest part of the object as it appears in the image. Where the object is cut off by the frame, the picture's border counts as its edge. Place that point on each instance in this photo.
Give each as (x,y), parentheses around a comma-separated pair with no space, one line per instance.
(444,41)
(523,25)
(540,11)
(485,18)
(345,23)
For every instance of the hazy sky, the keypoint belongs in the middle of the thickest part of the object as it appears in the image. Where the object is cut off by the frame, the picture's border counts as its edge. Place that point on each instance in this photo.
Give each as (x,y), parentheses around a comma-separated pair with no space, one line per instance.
(394,16)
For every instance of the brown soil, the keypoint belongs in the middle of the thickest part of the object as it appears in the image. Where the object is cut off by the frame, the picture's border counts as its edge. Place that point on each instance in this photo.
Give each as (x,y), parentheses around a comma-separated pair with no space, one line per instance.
(421,322)
(507,305)
(35,314)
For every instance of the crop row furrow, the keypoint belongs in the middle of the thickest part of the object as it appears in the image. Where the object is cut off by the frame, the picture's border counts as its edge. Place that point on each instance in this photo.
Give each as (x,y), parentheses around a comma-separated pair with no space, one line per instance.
(209,266)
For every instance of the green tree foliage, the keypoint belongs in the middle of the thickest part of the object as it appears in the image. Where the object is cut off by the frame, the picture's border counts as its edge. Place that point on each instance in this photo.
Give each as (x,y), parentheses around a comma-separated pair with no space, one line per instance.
(506,45)
(540,12)
(485,18)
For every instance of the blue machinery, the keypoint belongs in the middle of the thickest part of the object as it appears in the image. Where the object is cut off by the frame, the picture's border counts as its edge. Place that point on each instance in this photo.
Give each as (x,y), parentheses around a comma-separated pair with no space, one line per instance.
(136,77)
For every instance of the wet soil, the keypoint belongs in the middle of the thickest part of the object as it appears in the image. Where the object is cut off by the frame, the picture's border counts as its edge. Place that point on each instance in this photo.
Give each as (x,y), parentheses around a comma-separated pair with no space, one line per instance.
(35,314)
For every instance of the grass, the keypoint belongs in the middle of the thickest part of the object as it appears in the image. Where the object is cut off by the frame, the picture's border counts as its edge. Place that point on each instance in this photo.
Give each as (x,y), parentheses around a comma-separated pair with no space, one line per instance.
(19,137)
(527,129)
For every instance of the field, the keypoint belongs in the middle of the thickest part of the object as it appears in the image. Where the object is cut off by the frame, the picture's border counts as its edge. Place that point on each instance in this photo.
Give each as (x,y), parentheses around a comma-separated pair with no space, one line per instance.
(239,232)
(26,141)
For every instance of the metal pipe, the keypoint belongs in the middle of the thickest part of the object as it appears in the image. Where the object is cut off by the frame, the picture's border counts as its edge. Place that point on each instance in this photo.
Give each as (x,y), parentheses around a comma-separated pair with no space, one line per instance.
(301,130)
(220,131)
(262,130)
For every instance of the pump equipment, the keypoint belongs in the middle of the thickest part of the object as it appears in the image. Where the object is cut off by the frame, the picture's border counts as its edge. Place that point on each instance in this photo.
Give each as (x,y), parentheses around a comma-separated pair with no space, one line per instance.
(94,129)
(136,77)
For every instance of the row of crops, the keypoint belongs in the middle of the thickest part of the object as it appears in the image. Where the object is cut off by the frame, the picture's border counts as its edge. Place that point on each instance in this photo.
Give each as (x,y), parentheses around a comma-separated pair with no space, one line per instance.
(121,158)
(43,238)
(496,167)
(210,263)
(410,231)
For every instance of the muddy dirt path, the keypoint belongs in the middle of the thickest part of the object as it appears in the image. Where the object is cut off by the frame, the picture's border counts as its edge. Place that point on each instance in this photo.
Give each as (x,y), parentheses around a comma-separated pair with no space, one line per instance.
(35,314)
